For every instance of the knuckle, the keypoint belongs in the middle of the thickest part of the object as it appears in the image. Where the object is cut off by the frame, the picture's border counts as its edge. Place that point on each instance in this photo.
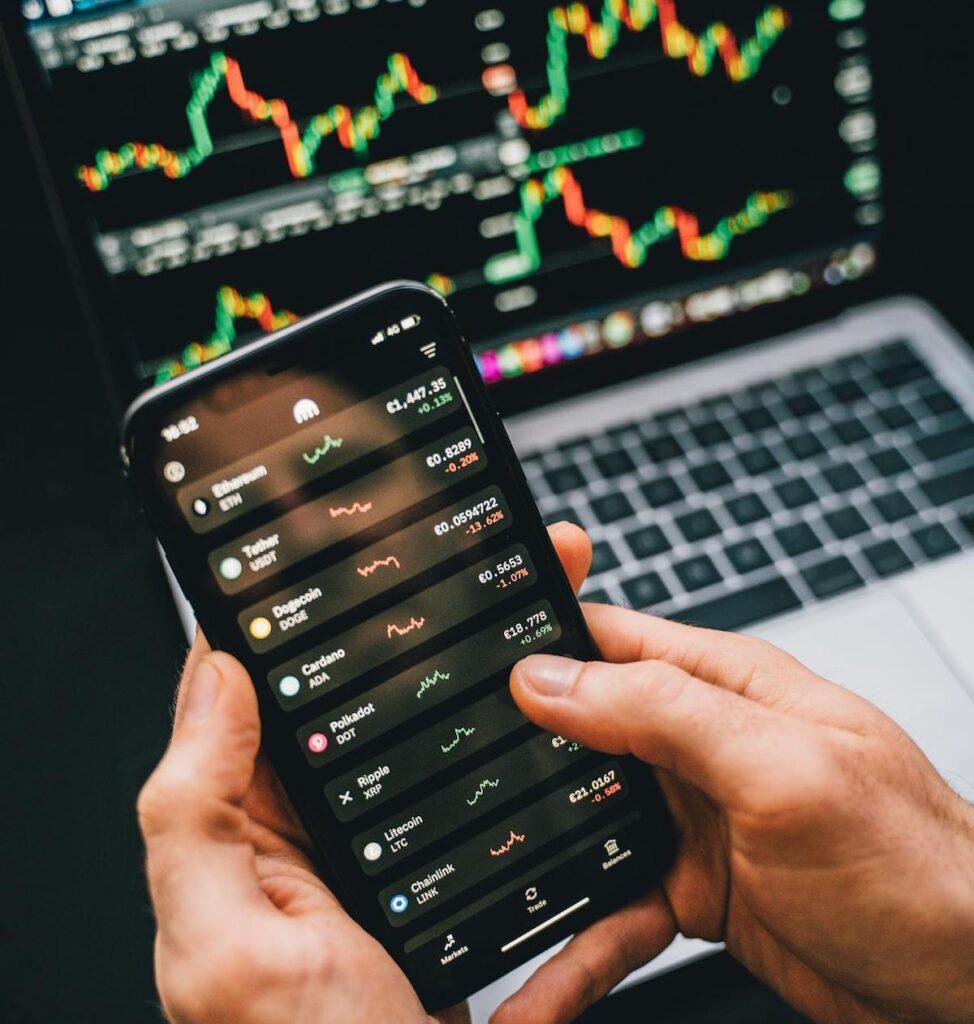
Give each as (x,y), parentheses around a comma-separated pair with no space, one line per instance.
(813,786)
(186,992)
(659,684)
(157,804)
(217,987)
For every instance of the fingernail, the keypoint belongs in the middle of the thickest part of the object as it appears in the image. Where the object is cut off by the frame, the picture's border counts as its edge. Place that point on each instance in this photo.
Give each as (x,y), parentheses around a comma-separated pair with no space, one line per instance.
(203,687)
(548,675)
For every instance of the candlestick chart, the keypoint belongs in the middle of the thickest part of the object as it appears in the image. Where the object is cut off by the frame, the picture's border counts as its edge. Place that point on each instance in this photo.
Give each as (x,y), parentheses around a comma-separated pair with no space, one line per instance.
(526,158)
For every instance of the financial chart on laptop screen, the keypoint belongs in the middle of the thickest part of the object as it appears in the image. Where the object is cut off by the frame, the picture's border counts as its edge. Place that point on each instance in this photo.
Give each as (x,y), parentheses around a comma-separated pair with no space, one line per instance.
(577,178)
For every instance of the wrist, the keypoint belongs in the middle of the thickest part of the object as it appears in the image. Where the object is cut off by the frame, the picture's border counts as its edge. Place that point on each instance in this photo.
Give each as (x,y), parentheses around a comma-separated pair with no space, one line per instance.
(945,993)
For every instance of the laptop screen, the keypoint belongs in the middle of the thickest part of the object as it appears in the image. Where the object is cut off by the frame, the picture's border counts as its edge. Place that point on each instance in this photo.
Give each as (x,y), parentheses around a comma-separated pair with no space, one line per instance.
(577,179)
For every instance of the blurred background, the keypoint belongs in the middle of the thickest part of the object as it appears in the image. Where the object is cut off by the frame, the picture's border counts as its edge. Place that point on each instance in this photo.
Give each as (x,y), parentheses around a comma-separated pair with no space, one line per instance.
(94,644)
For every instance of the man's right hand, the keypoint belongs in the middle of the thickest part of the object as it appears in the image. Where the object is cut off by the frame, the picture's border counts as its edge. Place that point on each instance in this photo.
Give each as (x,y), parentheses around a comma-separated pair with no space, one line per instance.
(817,840)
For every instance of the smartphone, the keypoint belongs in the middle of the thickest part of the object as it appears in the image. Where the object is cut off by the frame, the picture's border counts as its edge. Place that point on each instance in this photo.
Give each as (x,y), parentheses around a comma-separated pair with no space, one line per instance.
(342,507)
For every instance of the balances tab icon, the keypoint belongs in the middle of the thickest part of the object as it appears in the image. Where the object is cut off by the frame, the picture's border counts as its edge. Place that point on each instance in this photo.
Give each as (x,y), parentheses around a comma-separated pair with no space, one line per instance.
(429,350)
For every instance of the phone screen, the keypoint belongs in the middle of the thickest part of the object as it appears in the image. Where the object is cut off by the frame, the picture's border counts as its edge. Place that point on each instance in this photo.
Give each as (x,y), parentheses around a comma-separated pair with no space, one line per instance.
(344,511)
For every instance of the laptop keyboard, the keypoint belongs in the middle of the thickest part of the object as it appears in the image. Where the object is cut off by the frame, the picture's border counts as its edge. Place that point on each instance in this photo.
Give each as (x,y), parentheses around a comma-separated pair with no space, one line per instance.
(773,497)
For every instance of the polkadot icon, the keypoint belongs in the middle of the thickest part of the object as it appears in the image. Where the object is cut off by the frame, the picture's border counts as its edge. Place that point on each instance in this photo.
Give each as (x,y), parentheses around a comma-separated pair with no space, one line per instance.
(317,743)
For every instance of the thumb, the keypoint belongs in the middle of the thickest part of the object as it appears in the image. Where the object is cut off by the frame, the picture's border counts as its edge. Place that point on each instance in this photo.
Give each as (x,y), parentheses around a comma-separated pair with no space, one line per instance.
(200,861)
(712,738)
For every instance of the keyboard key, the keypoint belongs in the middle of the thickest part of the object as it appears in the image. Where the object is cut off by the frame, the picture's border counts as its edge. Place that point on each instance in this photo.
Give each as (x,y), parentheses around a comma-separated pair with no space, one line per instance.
(623,428)
(950,442)
(757,418)
(843,477)
(850,431)
(893,506)
(748,508)
(697,525)
(795,493)
(845,392)
(935,541)
(805,446)
(597,596)
(758,461)
(697,573)
(802,405)
(942,490)
(853,366)
(968,523)
(613,464)
(661,492)
(663,448)
(563,515)
(747,556)
(576,448)
(892,353)
(940,402)
(810,379)
(887,558)
(889,462)
(905,373)
(646,591)
(647,542)
(846,522)
(603,558)
(743,607)
(710,433)
(564,478)
(611,507)
(831,577)
(798,539)
(896,417)
(710,476)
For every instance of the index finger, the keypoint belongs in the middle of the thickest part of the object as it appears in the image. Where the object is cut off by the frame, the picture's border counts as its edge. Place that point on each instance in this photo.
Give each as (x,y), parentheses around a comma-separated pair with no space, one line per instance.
(746,666)
(724,659)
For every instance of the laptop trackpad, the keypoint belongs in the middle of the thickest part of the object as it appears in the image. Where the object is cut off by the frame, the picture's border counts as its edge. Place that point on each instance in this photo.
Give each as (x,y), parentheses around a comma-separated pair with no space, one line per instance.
(873,645)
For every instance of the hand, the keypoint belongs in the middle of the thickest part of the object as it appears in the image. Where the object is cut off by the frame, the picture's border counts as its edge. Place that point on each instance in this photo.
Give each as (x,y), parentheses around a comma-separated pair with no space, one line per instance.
(247,932)
(817,841)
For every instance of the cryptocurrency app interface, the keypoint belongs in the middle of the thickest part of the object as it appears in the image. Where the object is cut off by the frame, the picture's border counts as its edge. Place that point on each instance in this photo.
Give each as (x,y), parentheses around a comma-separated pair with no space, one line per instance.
(356,533)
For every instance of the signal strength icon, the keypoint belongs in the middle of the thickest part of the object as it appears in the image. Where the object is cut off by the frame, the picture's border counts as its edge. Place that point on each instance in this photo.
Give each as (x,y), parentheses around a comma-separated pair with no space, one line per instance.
(429,350)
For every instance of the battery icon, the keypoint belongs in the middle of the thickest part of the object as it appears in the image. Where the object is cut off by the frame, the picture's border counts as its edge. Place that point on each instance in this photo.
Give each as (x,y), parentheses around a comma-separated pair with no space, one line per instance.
(409,322)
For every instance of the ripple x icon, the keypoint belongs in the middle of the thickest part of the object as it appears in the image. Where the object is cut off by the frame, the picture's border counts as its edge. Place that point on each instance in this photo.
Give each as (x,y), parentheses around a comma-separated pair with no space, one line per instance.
(174,472)
(399,903)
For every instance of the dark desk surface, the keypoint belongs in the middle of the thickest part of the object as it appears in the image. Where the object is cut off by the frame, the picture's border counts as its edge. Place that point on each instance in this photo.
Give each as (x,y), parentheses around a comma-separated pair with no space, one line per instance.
(94,646)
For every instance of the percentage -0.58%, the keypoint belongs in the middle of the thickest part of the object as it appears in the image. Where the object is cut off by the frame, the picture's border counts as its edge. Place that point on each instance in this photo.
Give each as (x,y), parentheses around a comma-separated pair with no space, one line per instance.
(598,790)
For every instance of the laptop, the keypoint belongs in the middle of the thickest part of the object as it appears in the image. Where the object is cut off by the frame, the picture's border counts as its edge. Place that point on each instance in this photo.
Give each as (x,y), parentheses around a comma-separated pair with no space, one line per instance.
(662,225)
